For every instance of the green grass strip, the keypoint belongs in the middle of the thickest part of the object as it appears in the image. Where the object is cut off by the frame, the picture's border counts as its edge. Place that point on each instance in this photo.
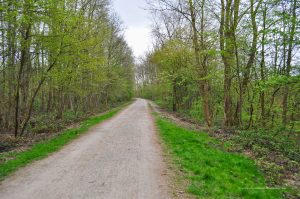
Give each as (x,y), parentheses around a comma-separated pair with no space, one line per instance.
(211,171)
(43,149)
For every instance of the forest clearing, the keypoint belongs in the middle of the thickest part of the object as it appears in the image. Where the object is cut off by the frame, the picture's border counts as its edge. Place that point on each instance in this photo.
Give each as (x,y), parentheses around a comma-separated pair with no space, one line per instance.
(150,99)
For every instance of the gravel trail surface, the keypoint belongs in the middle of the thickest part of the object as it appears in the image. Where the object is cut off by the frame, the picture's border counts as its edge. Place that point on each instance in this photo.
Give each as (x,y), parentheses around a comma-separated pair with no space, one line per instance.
(118,159)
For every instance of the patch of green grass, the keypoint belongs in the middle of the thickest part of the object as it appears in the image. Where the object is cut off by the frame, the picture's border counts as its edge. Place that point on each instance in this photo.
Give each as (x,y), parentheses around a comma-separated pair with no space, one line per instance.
(43,149)
(211,171)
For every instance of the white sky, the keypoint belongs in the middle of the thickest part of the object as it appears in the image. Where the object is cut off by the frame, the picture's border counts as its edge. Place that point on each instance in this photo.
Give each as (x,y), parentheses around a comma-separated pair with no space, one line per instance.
(137,23)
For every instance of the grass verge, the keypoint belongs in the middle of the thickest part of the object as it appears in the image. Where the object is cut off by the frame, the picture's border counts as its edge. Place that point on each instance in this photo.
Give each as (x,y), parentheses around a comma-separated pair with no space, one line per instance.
(212,171)
(43,149)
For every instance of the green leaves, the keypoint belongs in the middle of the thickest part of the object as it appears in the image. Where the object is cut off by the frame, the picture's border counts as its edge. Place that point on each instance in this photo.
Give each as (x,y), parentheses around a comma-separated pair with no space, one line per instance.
(279,80)
(71,50)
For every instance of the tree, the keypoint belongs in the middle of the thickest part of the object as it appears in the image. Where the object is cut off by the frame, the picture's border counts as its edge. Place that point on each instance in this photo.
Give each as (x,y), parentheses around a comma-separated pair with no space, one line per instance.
(244,61)
(54,62)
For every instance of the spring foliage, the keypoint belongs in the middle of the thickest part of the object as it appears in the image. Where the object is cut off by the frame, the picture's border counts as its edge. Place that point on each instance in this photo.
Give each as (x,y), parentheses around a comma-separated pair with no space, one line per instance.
(60,56)
(233,63)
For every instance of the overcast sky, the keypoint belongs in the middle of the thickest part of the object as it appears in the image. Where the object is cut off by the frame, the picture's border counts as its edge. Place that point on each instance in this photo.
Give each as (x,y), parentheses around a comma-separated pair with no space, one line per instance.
(137,23)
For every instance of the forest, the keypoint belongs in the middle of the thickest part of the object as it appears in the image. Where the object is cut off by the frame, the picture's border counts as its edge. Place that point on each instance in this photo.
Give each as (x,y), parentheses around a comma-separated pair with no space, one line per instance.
(60,61)
(231,67)
(220,91)
(230,63)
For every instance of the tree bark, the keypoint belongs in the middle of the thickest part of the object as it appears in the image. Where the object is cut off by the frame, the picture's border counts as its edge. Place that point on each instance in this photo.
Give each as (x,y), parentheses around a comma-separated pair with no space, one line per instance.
(262,69)
(228,25)
(288,64)
(201,64)
(25,45)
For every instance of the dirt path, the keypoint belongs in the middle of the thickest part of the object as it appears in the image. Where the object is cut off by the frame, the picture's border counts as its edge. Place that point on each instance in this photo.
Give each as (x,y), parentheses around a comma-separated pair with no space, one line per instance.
(120,158)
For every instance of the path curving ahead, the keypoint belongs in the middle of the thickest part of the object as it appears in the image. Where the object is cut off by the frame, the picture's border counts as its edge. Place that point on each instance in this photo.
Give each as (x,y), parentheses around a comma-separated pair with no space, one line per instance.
(117,159)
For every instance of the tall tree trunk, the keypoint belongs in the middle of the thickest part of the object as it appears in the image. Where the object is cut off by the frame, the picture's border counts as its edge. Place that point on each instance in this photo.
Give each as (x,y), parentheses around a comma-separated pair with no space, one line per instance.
(252,55)
(3,79)
(201,63)
(288,64)
(262,68)
(11,64)
(228,25)
(25,45)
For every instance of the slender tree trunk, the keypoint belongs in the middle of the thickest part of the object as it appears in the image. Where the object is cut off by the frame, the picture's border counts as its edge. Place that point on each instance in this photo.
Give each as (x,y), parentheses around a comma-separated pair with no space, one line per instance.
(11,66)
(174,107)
(3,80)
(252,55)
(288,64)
(24,53)
(202,67)
(262,69)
